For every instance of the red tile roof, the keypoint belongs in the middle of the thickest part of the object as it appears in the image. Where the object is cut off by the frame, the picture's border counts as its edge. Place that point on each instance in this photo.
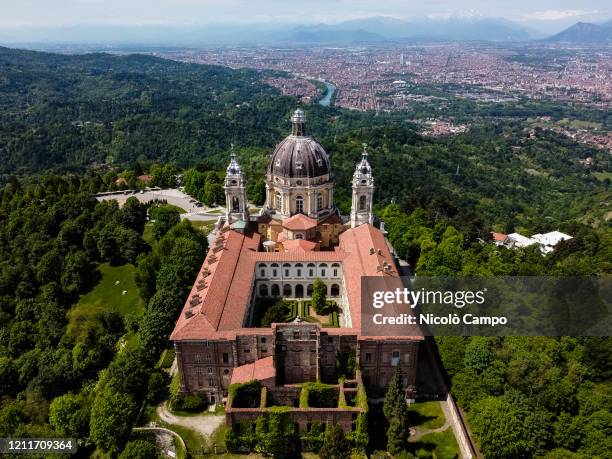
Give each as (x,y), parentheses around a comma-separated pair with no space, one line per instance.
(299,245)
(262,370)
(217,305)
(299,222)
(499,237)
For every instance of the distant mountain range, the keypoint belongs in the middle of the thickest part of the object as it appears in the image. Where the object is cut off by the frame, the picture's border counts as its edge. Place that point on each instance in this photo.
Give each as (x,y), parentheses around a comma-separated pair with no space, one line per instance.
(360,31)
(385,29)
(584,32)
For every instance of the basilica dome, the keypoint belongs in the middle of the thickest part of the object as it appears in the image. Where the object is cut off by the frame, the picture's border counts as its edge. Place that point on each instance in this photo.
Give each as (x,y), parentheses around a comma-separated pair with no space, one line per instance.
(299,155)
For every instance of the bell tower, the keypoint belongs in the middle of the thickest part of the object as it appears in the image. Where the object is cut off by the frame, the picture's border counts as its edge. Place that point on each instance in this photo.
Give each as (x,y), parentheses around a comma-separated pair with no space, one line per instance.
(363,192)
(235,192)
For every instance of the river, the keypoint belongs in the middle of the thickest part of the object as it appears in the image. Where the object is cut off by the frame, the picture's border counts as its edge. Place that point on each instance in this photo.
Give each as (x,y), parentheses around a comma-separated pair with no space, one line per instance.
(331,89)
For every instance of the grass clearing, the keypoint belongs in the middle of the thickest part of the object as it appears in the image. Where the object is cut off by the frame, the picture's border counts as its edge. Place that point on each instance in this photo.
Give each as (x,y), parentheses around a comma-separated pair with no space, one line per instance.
(116,291)
(428,415)
(205,226)
(441,445)
(602,175)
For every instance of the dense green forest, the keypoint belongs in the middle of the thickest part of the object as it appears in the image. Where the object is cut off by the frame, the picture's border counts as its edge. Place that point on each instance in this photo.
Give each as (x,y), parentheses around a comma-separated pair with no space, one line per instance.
(78,370)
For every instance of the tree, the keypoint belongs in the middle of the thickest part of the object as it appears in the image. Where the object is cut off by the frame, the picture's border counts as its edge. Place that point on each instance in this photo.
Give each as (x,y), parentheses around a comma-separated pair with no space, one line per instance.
(139,449)
(478,353)
(277,313)
(69,415)
(319,296)
(335,445)
(134,214)
(129,372)
(8,376)
(396,413)
(498,429)
(277,435)
(112,416)
(155,329)
(165,218)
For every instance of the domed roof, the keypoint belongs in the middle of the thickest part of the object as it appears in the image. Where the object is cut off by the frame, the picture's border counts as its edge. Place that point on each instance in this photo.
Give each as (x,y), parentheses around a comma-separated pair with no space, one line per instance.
(299,155)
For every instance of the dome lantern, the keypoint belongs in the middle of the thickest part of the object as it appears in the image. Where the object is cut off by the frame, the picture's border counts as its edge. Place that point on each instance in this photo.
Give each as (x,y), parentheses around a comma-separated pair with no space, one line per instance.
(299,123)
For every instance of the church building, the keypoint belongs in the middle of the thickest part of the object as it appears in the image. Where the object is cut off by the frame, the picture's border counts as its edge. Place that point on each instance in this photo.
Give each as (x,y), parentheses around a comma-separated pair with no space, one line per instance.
(254,260)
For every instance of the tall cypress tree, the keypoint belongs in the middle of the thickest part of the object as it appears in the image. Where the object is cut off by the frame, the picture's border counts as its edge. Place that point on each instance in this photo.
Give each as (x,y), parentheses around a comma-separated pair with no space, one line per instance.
(396,412)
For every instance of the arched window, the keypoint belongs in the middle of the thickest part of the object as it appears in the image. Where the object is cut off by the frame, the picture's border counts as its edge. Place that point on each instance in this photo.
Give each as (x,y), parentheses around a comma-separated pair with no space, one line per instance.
(287,292)
(323,269)
(299,291)
(262,270)
(335,290)
(275,290)
(235,204)
(286,269)
(311,269)
(362,202)
(274,270)
(263,290)
(319,201)
(299,205)
(309,289)
(279,201)
(298,269)
(335,269)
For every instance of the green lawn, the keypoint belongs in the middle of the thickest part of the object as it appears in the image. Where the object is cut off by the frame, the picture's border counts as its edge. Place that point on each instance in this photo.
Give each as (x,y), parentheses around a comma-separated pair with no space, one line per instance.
(147,234)
(205,226)
(440,445)
(107,295)
(116,290)
(602,175)
(180,210)
(427,415)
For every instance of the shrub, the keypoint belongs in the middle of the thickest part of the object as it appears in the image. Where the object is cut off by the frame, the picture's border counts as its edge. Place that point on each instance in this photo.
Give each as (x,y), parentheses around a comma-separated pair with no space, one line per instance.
(246,395)
(188,403)
(277,313)
(319,395)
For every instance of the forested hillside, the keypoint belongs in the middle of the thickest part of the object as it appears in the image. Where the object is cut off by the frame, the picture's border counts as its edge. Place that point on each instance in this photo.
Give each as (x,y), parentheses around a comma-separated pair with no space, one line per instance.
(71,366)
(69,113)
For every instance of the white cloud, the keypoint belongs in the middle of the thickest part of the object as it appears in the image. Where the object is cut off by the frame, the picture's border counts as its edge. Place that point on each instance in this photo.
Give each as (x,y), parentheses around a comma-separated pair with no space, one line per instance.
(556,15)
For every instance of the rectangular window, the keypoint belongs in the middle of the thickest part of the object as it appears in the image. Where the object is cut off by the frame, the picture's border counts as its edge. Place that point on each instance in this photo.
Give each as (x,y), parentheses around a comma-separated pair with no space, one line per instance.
(274,273)
(394,358)
(299,273)
(225,357)
(368,357)
(197,358)
(323,273)
(311,272)
(263,273)
(335,273)
(263,340)
(208,358)
(210,382)
(209,370)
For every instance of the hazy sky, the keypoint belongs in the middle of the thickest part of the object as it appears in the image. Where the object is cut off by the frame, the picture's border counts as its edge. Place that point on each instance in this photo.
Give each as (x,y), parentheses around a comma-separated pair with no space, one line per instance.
(134,12)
